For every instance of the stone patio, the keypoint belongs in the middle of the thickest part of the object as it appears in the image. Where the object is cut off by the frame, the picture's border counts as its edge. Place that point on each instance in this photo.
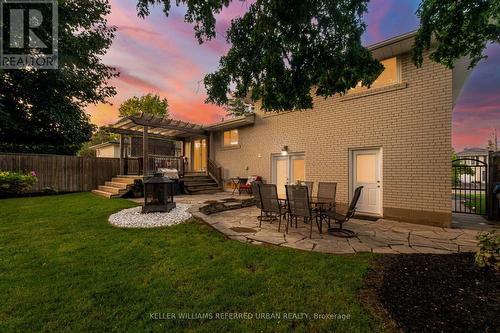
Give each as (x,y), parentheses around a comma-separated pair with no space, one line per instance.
(382,236)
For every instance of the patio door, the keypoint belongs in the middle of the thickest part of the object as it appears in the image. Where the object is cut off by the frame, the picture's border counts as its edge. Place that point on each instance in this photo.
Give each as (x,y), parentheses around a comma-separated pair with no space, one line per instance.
(366,171)
(200,155)
(287,170)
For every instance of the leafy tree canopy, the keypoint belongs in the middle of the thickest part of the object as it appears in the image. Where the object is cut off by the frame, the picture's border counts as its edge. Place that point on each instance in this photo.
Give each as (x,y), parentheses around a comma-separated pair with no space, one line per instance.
(461,28)
(43,110)
(281,50)
(237,107)
(151,104)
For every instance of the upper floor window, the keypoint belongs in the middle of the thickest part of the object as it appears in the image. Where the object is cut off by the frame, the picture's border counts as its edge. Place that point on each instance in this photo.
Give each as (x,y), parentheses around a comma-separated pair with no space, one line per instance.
(231,138)
(391,75)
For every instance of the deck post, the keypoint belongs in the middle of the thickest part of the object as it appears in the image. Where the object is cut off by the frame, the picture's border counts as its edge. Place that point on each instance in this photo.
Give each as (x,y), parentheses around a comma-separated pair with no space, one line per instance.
(122,161)
(145,152)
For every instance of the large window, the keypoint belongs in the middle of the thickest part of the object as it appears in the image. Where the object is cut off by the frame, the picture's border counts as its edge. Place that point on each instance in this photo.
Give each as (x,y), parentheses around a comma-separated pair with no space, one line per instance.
(231,138)
(389,76)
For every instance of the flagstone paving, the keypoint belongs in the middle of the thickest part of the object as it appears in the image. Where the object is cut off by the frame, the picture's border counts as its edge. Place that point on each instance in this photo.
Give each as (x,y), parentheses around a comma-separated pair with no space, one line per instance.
(382,236)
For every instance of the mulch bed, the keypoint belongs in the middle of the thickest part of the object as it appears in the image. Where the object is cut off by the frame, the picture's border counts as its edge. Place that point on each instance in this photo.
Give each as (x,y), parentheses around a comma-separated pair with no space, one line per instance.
(434,293)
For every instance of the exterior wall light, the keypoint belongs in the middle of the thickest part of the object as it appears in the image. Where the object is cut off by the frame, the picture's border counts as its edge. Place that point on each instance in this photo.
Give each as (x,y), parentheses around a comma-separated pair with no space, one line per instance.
(284,151)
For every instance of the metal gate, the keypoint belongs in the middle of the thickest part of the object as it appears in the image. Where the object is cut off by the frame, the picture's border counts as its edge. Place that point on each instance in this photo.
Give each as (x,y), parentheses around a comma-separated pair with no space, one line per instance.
(470,186)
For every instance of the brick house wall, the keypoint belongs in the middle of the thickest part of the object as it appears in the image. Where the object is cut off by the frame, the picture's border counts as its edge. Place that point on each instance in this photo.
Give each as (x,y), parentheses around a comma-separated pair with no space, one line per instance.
(410,121)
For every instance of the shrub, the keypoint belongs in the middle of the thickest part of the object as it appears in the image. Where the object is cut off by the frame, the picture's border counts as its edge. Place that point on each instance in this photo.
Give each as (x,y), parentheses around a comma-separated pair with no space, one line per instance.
(489,250)
(12,183)
(49,190)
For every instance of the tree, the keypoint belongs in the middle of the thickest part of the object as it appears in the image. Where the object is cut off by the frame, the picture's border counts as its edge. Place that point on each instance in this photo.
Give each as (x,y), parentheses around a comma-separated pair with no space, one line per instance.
(282,50)
(464,169)
(461,28)
(151,104)
(237,107)
(43,110)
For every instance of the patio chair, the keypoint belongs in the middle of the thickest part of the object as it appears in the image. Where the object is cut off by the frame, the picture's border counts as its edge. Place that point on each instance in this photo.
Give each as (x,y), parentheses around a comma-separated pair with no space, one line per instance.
(310,186)
(270,205)
(327,191)
(341,219)
(256,195)
(300,206)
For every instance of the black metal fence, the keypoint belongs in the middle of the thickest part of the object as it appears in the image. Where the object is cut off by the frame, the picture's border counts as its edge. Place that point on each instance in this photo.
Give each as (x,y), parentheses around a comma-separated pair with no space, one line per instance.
(470,186)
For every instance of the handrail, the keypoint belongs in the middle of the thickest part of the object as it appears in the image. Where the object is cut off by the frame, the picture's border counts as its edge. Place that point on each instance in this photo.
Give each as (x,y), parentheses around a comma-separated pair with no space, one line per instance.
(135,165)
(215,170)
(165,161)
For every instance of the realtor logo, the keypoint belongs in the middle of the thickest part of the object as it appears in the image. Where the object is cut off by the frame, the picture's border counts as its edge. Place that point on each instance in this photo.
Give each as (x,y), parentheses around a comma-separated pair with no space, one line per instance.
(28,34)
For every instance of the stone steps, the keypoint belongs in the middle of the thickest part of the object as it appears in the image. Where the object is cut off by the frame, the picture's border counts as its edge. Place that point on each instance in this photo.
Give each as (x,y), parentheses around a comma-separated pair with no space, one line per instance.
(201,184)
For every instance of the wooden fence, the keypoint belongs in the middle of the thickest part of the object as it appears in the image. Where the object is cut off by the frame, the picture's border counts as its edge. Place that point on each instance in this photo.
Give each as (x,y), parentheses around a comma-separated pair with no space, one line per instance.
(61,172)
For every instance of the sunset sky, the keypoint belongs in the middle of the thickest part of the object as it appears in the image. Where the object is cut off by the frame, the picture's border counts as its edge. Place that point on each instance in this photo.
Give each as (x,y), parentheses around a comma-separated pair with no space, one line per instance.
(161,55)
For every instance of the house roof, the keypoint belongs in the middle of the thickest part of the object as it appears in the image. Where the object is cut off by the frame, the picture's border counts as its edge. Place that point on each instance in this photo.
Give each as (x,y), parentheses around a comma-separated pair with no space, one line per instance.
(393,46)
(473,152)
(245,120)
(105,144)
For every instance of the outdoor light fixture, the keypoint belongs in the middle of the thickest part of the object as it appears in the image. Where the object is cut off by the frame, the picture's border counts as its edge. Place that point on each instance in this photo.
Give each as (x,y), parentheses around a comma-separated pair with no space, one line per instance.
(158,194)
(284,151)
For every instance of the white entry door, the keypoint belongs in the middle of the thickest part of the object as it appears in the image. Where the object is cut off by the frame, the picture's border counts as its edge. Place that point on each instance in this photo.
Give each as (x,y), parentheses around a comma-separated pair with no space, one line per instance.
(287,170)
(366,171)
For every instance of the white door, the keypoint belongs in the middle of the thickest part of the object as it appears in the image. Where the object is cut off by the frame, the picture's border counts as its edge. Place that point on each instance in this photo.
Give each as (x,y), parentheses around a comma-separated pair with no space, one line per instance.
(366,171)
(287,170)
(281,174)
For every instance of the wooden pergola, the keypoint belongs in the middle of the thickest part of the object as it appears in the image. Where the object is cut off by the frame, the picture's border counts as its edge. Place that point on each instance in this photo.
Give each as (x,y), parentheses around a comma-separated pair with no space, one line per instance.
(150,126)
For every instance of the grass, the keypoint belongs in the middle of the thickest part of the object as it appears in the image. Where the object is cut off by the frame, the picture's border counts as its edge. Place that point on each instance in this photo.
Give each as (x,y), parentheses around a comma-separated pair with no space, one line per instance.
(476,200)
(63,268)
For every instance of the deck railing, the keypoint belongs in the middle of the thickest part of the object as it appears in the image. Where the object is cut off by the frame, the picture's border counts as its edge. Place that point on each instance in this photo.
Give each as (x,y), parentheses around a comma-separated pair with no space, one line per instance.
(215,170)
(135,165)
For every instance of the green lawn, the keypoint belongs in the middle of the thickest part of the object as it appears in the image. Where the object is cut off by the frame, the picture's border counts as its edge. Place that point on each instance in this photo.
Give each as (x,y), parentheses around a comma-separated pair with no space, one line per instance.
(476,200)
(64,268)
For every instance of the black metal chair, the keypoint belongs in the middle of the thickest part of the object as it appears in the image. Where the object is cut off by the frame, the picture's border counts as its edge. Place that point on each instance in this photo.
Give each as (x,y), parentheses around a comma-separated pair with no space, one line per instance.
(256,195)
(300,206)
(310,186)
(341,219)
(270,205)
(327,192)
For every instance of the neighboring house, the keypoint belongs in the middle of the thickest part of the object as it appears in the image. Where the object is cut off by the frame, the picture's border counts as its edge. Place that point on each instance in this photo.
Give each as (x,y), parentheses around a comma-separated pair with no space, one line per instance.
(107,149)
(156,147)
(393,139)
(471,156)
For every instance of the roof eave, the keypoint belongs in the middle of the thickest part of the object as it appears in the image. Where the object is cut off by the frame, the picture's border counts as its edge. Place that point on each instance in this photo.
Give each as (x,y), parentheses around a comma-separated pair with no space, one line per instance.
(246,120)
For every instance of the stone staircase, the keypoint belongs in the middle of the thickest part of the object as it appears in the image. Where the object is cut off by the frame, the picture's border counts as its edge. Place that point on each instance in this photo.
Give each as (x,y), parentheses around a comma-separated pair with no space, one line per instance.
(200,183)
(117,187)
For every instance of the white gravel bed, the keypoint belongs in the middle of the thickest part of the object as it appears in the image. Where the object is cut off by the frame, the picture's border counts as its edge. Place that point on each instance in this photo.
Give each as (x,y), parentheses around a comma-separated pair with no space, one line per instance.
(133,218)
